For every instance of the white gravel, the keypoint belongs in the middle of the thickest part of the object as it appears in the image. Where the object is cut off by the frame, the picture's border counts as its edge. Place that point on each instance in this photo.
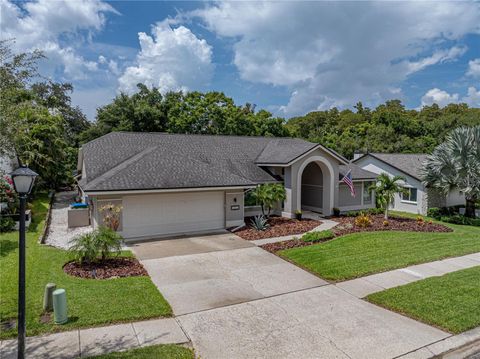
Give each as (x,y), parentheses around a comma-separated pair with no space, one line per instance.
(59,235)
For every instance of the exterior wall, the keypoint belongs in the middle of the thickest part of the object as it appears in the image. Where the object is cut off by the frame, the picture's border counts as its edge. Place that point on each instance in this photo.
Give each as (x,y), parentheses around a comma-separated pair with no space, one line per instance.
(455,197)
(293,178)
(234,208)
(420,207)
(349,203)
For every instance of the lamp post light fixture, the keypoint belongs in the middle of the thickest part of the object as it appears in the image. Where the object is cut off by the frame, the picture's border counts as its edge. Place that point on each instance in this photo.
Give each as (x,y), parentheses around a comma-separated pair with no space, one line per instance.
(23,179)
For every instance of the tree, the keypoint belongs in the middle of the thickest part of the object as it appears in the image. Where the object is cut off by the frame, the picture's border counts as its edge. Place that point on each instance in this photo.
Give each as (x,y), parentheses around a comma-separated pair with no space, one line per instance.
(386,188)
(268,195)
(455,164)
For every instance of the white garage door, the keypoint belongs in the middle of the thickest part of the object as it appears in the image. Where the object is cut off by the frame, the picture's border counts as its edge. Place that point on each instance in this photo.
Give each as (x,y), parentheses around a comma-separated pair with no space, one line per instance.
(172,213)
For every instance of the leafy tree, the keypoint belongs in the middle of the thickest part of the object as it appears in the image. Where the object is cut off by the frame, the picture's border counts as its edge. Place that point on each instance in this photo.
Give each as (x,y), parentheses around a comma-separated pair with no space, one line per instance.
(456,164)
(268,195)
(40,143)
(177,112)
(385,189)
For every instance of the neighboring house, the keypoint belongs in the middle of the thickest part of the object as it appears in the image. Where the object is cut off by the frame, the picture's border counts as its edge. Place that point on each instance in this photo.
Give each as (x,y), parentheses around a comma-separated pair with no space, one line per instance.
(170,184)
(418,199)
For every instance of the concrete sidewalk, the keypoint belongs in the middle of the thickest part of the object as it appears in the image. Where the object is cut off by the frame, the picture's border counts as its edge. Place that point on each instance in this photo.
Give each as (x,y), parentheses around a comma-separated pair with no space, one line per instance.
(100,340)
(361,287)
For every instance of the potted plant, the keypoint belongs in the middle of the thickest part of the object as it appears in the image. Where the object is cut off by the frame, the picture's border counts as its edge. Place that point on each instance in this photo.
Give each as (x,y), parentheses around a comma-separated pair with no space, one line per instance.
(298,215)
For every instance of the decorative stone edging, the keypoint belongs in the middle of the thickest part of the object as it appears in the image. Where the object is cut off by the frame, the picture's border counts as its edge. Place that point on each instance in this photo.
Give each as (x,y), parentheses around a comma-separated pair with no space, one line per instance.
(46,225)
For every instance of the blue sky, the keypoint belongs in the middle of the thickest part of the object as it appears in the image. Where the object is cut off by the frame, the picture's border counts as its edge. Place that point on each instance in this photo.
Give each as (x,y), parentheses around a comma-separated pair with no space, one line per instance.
(287,57)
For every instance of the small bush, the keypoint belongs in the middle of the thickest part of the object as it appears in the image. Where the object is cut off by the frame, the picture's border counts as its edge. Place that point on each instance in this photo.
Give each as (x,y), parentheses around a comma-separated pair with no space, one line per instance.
(259,223)
(371,211)
(101,243)
(420,220)
(459,219)
(317,236)
(6,224)
(386,223)
(336,211)
(363,220)
(434,212)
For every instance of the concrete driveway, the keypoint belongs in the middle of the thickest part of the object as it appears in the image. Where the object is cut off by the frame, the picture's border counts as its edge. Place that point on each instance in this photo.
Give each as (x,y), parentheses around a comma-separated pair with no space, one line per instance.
(243,302)
(214,271)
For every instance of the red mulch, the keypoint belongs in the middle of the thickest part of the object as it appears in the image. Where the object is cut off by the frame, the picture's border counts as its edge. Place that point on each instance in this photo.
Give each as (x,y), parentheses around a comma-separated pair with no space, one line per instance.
(347,225)
(109,268)
(279,226)
(293,243)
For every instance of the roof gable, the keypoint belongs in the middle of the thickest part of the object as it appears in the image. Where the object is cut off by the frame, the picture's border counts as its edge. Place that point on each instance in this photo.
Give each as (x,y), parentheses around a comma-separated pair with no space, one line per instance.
(409,164)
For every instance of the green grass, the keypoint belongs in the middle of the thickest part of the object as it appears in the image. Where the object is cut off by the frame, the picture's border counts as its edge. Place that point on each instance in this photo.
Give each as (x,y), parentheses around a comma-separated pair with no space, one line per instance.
(359,254)
(163,351)
(449,302)
(317,236)
(90,302)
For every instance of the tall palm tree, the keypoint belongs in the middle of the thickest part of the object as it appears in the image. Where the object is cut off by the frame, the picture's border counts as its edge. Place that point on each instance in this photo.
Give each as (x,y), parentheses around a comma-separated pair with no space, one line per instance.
(385,189)
(455,164)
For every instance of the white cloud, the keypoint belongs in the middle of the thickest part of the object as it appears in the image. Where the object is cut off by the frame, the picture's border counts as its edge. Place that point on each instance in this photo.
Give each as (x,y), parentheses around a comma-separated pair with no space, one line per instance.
(473,97)
(170,59)
(334,54)
(440,97)
(474,68)
(443,98)
(57,28)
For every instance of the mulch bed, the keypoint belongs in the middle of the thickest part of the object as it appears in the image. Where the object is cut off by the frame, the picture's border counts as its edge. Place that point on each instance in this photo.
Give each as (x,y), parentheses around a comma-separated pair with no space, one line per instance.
(347,225)
(279,226)
(109,268)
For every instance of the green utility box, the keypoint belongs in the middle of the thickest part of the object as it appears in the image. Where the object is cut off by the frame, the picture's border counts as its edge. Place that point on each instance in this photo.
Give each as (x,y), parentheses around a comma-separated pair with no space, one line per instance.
(60,306)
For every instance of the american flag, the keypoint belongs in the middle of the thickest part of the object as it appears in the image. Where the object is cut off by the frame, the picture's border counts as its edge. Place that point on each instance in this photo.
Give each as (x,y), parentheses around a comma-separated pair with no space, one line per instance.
(348,181)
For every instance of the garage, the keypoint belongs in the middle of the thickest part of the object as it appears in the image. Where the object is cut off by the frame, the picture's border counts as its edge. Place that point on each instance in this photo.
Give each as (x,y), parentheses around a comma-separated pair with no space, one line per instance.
(153,215)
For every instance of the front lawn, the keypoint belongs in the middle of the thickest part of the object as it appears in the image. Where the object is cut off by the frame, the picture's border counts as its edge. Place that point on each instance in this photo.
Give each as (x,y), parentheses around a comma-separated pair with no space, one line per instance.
(90,302)
(162,351)
(449,302)
(360,254)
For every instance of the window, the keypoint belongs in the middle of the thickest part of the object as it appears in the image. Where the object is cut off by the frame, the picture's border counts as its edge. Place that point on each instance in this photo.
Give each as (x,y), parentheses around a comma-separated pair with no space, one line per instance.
(367,195)
(250,199)
(410,195)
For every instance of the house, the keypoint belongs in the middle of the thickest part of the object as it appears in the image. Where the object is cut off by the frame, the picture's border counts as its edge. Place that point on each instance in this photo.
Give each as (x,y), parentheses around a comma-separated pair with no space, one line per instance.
(170,184)
(417,199)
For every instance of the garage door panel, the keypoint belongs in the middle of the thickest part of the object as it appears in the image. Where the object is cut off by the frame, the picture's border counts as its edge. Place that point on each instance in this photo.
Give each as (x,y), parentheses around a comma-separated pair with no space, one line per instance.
(172,213)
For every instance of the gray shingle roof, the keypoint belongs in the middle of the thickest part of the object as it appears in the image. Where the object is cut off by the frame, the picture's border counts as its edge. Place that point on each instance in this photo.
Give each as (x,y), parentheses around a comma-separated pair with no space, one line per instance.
(410,164)
(132,160)
(358,173)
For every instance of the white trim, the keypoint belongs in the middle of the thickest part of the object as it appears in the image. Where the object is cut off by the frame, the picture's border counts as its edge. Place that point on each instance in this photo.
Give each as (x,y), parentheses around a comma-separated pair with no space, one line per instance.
(332,182)
(408,202)
(199,189)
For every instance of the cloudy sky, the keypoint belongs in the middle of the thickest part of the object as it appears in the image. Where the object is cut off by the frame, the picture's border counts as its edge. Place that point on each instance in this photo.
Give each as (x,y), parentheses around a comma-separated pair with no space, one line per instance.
(287,57)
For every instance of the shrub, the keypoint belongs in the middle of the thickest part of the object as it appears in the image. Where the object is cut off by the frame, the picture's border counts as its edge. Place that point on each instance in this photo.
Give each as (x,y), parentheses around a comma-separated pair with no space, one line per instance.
(317,236)
(336,211)
(6,224)
(371,211)
(459,219)
(386,223)
(103,242)
(434,212)
(84,249)
(420,220)
(109,242)
(260,223)
(363,220)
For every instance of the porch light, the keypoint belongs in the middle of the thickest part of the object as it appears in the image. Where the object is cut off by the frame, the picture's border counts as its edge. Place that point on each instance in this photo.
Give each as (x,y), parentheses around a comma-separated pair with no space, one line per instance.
(23,179)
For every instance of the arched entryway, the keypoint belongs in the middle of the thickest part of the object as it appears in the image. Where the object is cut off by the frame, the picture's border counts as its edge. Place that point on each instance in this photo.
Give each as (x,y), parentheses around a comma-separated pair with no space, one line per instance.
(312,188)
(316,185)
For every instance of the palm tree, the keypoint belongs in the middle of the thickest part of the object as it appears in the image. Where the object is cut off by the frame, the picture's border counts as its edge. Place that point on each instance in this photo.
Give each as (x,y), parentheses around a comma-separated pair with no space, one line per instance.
(385,189)
(455,164)
(268,195)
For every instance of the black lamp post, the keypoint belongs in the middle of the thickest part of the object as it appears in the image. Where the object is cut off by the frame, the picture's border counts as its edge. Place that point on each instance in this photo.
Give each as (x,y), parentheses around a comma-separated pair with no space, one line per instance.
(23,179)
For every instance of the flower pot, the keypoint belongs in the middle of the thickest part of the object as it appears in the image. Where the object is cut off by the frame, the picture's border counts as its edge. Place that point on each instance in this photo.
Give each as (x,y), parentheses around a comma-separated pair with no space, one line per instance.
(298,216)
